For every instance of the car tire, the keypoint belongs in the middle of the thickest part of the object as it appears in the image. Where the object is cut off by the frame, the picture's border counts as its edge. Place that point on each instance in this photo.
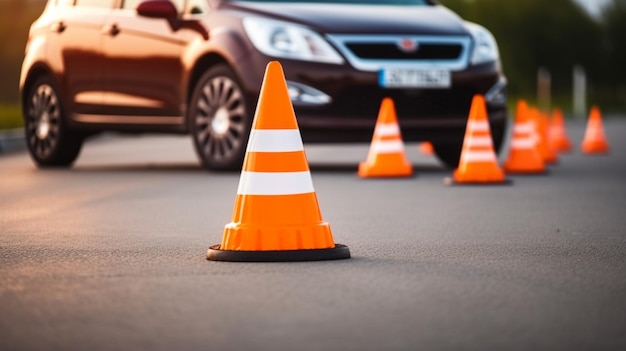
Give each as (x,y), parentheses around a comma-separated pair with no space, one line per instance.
(450,153)
(51,142)
(220,118)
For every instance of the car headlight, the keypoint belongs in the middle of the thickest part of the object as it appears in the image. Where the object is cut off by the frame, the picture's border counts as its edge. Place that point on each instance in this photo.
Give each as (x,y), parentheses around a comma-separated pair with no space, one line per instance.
(282,39)
(485,45)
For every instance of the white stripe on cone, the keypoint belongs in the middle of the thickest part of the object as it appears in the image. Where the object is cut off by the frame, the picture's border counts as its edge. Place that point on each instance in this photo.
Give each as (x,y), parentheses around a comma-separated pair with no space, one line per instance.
(480,126)
(524,128)
(275,183)
(479,142)
(526,143)
(387,129)
(387,146)
(479,156)
(275,140)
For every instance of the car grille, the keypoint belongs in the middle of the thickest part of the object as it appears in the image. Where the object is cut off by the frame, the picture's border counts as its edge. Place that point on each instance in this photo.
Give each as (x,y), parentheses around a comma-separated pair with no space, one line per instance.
(393,52)
(375,52)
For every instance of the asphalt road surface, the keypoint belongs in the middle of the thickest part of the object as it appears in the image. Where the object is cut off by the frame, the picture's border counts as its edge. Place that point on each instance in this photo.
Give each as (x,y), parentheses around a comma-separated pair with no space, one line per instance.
(110,255)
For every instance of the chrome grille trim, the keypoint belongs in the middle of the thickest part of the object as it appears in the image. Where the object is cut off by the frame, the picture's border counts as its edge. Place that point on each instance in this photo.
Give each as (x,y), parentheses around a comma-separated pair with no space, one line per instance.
(372,65)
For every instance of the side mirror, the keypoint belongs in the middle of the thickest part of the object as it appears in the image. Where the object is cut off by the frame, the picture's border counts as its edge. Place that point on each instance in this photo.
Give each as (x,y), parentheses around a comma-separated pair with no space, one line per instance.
(157,9)
(164,9)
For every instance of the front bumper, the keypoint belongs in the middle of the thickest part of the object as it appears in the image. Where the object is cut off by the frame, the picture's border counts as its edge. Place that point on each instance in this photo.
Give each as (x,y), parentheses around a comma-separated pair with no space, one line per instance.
(437,115)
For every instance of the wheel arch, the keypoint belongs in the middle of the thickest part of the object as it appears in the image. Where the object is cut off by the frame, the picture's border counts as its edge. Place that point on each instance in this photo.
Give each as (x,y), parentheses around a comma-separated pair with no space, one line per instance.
(204,63)
(37,71)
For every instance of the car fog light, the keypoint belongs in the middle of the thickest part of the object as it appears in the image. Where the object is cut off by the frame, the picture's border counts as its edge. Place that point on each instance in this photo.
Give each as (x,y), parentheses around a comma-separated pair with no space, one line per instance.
(497,95)
(304,95)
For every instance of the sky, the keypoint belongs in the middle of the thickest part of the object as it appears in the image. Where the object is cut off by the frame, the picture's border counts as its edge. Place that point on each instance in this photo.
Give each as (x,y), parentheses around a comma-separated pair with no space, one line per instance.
(593,6)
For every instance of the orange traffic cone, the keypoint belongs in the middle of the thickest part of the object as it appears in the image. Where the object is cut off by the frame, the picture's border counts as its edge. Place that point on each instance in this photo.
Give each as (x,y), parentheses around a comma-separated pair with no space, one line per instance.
(276,215)
(386,157)
(478,164)
(558,135)
(523,154)
(426,148)
(594,141)
(542,126)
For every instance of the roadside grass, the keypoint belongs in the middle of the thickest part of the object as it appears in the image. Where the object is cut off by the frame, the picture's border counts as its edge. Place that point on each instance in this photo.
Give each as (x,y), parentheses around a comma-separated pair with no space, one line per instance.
(10,116)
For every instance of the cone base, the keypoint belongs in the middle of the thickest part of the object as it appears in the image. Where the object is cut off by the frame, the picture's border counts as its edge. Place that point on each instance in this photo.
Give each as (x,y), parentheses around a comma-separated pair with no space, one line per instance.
(551,160)
(452,182)
(479,173)
(521,166)
(339,252)
(563,147)
(525,170)
(595,148)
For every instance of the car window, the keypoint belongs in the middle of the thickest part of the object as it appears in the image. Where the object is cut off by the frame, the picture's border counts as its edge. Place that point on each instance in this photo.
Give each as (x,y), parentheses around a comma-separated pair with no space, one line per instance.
(196,6)
(180,4)
(95,3)
(353,2)
(132,4)
(63,3)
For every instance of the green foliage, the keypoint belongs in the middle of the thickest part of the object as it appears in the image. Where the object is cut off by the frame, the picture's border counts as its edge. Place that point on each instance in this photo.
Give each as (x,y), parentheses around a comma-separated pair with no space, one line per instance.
(10,117)
(614,22)
(16,17)
(556,35)
(553,34)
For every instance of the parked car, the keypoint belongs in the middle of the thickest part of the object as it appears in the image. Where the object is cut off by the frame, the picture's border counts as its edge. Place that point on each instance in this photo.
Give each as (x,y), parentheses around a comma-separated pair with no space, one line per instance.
(196,67)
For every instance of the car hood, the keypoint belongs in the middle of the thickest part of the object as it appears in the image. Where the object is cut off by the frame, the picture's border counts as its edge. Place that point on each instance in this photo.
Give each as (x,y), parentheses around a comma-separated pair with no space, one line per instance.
(361,19)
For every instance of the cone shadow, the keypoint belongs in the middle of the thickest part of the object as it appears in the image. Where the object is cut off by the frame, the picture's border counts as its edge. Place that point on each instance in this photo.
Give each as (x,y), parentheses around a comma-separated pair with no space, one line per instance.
(139,168)
(353,168)
(448,181)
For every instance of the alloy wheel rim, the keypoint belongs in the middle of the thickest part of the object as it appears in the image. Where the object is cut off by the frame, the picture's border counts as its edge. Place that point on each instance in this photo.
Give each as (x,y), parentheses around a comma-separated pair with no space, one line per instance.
(220,118)
(43,119)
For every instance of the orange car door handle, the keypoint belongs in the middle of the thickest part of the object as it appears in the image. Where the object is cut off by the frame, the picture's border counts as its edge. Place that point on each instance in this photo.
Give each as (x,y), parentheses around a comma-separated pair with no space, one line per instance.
(58,27)
(111,30)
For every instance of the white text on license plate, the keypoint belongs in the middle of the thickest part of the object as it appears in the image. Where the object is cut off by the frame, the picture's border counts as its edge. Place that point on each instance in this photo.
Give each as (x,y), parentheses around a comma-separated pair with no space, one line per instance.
(414,78)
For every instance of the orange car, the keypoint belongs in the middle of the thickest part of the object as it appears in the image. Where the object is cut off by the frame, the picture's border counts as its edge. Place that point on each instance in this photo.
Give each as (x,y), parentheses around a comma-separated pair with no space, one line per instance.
(196,66)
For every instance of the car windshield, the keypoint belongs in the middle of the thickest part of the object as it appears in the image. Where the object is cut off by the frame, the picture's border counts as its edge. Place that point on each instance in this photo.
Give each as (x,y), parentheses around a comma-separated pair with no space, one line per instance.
(353,2)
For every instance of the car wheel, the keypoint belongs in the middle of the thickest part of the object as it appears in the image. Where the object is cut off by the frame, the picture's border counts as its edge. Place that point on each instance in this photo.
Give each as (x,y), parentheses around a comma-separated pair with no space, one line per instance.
(50,141)
(219,117)
(450,153)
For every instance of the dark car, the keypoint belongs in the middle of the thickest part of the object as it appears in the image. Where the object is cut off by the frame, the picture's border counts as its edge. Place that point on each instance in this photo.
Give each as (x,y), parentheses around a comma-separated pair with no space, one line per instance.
(196,66)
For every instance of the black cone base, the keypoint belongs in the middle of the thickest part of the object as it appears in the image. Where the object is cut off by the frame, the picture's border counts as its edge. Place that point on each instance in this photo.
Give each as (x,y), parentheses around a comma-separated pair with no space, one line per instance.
(339,252)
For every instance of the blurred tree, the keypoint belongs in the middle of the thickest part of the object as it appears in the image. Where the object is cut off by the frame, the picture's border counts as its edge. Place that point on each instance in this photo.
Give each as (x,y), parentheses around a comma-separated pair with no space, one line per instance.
(16,17)
(555,34)
(614,20)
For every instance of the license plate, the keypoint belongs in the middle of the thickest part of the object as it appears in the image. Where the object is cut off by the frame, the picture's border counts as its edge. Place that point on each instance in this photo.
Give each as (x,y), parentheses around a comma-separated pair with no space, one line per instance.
(414,78)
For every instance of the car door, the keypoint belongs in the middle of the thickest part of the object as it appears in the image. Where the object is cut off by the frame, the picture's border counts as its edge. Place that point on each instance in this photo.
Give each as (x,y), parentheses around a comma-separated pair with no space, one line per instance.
(75,51)
(143,67)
